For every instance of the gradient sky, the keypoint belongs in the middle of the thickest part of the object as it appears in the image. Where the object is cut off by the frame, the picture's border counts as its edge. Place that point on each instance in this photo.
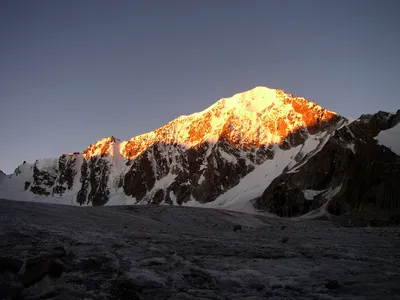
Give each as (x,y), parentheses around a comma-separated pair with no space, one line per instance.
(72,72)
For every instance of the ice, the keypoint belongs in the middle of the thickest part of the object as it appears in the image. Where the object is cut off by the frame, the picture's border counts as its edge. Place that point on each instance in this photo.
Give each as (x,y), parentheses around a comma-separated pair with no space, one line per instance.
(160,252)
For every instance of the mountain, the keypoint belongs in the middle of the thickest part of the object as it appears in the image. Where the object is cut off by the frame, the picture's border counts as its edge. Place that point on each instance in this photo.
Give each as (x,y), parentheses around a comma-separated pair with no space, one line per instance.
(248,152)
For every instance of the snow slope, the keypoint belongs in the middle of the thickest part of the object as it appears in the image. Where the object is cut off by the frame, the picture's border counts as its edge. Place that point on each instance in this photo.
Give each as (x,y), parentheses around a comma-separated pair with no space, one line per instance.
(254,184)
(13,187)
(390,138)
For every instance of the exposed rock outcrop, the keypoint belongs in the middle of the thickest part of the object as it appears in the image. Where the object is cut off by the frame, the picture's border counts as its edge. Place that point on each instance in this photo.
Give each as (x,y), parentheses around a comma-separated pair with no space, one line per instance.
(2,175)
(352,172)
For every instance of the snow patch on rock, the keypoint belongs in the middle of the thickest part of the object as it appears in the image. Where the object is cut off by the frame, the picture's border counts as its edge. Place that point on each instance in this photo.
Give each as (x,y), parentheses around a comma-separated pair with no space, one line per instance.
(390,138)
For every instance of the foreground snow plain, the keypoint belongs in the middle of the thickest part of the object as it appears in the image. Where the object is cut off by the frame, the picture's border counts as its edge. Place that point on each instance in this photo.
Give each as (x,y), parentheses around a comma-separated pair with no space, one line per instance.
(161,252)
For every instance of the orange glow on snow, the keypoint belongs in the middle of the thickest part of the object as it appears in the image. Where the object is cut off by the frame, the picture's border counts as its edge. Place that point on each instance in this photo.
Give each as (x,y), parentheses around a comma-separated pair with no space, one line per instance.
(254,118)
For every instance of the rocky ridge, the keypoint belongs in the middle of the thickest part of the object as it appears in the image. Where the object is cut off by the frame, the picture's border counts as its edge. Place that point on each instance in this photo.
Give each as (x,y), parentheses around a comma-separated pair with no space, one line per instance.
(352,172)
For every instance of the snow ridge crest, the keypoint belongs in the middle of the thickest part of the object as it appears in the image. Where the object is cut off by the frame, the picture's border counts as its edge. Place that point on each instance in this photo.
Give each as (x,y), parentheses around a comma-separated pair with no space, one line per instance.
(260,116)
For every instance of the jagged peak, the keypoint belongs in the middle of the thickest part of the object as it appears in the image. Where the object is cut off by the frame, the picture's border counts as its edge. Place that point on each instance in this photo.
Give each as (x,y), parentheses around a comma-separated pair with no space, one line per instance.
(101,147)
(111,139)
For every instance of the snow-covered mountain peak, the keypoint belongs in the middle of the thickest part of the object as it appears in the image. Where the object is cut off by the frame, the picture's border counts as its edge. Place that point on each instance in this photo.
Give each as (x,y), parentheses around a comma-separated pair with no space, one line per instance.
(254,100)
(102,147)
(260,116)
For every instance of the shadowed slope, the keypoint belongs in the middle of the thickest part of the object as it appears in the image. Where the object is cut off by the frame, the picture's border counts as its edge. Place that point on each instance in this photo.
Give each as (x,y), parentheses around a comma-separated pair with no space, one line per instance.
(352,172)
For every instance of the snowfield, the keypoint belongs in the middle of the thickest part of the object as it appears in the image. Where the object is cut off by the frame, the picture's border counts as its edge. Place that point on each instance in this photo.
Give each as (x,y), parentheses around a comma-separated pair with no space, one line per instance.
(161,252)
(390,138)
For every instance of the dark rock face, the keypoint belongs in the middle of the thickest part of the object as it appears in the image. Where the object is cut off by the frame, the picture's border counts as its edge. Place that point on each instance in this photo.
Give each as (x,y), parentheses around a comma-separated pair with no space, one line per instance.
(99,172)
(81,198)
(352,172)
(27,185)
(57,177)
(94,174)
(2,175)
(201,173)
(67,171)
(42,180)
(54,179)
(141,178)
(66,174)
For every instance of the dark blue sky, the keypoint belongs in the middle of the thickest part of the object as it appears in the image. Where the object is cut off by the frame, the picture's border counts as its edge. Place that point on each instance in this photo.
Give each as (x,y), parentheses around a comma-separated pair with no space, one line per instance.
(72,72)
